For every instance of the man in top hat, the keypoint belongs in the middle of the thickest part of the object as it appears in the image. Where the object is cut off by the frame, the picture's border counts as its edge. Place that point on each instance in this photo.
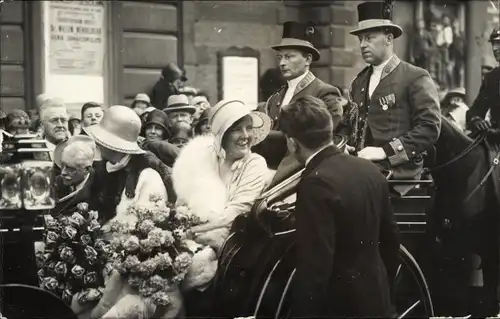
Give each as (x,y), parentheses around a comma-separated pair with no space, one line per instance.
(295,54)
(399,114)
(489,95)
(179,110)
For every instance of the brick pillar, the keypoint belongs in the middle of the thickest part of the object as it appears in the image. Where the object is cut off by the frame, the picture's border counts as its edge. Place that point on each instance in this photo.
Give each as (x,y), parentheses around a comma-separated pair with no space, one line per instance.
(338,57)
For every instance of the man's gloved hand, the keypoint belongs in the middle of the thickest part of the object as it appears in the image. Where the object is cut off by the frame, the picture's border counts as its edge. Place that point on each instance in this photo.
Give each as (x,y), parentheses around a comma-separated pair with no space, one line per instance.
(481,125)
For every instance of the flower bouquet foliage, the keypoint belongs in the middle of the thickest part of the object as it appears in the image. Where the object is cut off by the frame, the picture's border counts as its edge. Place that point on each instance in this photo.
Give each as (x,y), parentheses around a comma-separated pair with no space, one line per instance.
(149,250)
(75,256)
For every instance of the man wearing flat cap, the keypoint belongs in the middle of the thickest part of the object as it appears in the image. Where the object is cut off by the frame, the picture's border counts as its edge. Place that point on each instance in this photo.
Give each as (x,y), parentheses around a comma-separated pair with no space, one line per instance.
(295,54)
(399,114)
(489,95)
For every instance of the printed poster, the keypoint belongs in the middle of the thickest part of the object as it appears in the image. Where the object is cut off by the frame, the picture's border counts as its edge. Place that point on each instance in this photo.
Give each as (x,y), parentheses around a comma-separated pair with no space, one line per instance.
(76,37)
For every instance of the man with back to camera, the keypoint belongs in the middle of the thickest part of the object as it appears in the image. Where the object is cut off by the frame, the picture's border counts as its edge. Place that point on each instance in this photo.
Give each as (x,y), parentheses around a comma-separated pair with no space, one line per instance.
(399,114)
(295,54)
(346,235)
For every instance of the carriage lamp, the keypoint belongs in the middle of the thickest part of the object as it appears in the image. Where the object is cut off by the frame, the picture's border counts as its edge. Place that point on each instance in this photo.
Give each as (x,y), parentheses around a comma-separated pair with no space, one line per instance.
(38,193)
(10,187)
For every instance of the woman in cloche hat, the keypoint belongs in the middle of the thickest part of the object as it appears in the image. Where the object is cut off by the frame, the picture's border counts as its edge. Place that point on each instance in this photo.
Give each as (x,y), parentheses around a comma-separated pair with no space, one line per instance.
(131,177)
(229,177)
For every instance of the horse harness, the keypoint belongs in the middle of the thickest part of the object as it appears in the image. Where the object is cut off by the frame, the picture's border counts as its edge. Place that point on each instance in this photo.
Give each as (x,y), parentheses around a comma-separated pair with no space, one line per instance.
(496,160)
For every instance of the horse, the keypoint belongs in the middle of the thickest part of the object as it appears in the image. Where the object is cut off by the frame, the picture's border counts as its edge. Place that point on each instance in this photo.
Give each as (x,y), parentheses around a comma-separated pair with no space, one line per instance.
(463,227)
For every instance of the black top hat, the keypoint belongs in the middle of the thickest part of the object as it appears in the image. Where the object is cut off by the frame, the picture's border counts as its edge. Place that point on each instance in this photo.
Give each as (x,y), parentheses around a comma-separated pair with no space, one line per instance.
(375,15)
(495,35)
(298,35)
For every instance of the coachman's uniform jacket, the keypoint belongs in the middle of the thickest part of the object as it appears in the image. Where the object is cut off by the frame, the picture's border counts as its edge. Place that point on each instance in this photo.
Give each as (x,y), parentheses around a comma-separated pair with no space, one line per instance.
(402,116)
(274,148)
(487,99)
(347,246)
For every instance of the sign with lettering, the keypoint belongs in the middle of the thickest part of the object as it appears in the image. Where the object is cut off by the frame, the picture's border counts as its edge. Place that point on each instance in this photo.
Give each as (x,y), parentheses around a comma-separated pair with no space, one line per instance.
(76,37)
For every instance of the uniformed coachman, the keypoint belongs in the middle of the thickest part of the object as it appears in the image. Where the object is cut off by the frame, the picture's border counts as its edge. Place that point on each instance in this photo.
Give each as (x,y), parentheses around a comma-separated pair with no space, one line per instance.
(399,114)
(488,96)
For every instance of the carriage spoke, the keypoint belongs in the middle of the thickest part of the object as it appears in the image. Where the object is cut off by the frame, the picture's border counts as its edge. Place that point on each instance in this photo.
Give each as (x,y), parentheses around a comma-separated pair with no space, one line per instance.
(404,314)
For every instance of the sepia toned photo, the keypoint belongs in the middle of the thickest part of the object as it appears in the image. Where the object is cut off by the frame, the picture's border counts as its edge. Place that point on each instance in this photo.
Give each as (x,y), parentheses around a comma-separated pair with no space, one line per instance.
(249,159)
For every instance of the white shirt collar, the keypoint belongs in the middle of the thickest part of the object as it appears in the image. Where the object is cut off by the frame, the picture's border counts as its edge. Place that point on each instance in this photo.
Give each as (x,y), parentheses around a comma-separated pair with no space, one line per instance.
(76,189)
(309,159)
(110,167)
(380,67)
(294,82)
(51,147)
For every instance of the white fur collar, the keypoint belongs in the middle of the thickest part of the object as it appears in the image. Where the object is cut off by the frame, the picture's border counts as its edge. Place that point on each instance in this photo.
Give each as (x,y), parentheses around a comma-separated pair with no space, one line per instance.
(196,178)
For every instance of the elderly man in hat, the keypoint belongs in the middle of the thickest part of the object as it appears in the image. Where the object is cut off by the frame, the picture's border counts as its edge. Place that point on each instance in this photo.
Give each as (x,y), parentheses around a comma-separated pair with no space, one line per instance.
(489,95)
(179,110)
(295,54)
(399,114)
(171,80)
(75,158)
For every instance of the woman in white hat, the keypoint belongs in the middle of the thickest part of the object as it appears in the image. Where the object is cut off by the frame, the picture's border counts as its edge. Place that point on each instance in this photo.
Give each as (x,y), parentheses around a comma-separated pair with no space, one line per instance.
(131,174)
(229,177)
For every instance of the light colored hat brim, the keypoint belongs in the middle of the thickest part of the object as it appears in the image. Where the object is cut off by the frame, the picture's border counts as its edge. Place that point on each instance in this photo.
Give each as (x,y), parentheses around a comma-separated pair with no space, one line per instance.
(261,126)
(190,109)
(371,24)
(296,43)
(58,151)
(112,142)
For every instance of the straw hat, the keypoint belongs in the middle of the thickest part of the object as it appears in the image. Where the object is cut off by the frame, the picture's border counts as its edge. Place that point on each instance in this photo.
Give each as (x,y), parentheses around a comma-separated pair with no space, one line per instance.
(375,15)
(118,130)
(58,151)
(227,112)
(176,103)
(298,35)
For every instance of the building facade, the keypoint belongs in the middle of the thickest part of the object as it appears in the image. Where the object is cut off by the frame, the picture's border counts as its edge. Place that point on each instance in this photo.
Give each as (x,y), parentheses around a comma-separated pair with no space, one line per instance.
(107,51)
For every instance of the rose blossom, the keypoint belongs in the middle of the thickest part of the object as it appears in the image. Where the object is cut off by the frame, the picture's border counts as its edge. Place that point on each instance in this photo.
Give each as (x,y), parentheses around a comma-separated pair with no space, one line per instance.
(182,262)
(131,244)
(77,219)
(69,232)
(78,271)
(52,237)
(86,239)
(93,215)
(146,290)
(163,261)
(83,207)
(93,226)
(146,226)
(147,268)
(90,278)
(50,283)
(68,255)
(161,298)
(146,246)
(131,262)
(156,237)
(158,283)
(61,268)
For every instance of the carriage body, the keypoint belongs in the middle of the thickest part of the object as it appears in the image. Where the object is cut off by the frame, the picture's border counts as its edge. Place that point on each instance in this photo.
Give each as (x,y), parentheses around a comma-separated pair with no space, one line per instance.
(256,267)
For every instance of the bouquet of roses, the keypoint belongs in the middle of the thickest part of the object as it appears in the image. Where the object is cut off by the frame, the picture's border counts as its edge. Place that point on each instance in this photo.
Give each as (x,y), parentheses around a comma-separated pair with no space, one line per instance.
(149,252)
(75,256)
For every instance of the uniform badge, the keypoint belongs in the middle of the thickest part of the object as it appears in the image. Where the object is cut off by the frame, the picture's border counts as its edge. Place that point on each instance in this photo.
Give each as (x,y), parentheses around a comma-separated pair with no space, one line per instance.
(387,101)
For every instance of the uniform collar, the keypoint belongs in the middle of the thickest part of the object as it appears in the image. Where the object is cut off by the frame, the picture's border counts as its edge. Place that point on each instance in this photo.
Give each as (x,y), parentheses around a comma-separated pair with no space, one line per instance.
(381,66)
(294,82)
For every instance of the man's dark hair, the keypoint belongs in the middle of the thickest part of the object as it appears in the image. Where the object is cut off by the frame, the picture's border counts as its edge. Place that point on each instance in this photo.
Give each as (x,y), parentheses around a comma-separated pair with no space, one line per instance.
(89,105)
(308,121)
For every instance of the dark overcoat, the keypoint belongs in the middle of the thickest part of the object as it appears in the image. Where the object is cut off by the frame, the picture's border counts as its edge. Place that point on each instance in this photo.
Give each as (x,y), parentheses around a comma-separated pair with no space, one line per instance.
(488,98)
(346,237)
(68,200)
(402,116)
(274,148)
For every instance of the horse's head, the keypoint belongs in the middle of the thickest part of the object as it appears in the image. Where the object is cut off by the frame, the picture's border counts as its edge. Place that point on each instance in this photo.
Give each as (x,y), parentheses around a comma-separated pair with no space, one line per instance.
(451,142)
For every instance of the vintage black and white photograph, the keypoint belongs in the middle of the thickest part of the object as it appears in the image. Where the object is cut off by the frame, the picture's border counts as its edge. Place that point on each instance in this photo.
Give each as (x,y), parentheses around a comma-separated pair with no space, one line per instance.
(249,159)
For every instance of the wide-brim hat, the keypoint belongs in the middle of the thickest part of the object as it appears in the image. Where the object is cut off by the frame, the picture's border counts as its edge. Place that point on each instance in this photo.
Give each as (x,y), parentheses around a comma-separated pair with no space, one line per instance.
(227,112)
(298,36)
(58,151)
(118,130)
(376,15)
(179,103)
(460,92)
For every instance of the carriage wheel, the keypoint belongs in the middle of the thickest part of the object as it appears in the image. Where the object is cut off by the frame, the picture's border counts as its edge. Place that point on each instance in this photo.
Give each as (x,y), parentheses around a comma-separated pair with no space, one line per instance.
(412,295)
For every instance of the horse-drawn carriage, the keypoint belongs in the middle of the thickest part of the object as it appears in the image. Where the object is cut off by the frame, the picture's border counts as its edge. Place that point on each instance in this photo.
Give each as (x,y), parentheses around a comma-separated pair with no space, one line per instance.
(256,267)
